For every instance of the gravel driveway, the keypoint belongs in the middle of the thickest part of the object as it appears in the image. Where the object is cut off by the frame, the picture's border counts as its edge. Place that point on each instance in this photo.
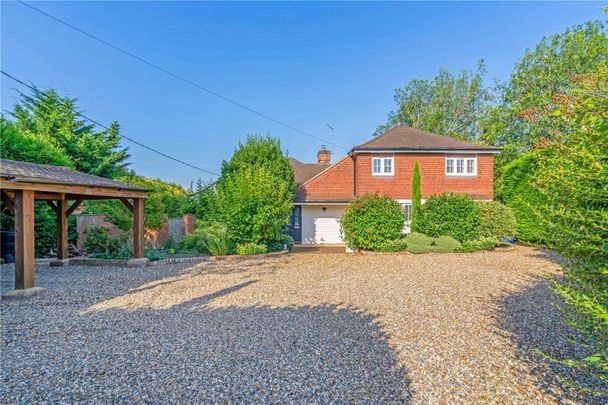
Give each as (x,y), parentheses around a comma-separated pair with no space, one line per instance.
(303,328)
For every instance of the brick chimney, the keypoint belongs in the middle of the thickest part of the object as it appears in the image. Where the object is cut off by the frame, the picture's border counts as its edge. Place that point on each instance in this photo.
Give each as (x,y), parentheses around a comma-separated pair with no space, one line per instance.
(323,156)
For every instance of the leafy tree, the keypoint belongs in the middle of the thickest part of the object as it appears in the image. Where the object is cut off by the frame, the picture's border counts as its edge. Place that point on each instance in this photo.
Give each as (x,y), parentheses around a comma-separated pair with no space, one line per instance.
(450,104)
(260,151)
(254,204)
(519,120)
(573,178)
(254,195)
(55,119)
(16,145)
(416,198)
(166,200)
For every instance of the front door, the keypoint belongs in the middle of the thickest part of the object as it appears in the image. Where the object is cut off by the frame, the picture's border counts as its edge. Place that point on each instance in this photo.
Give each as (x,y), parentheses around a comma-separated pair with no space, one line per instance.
(295,224)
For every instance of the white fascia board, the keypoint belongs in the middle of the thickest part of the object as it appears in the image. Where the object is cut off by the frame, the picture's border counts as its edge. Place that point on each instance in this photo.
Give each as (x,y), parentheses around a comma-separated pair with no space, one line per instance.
(443,151)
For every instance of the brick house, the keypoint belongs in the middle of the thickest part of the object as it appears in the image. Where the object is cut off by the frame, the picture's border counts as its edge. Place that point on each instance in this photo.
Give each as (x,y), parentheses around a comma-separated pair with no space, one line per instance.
(385,165)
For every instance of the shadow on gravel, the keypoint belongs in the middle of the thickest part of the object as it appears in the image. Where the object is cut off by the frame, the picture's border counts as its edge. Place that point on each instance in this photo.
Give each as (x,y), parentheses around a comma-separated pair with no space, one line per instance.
(531,318)
(192,352)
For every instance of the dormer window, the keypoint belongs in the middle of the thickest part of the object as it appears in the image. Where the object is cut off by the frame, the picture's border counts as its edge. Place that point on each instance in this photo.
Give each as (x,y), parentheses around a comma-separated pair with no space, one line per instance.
(461,166)
(383,166)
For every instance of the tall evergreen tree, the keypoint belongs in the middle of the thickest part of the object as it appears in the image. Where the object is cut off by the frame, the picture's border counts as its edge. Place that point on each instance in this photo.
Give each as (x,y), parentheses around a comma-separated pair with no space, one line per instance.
(54,118)
(416,198)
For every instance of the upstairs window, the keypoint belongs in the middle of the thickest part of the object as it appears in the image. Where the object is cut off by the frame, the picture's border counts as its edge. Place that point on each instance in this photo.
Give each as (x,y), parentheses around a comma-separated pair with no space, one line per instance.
(460,166)
(383,166)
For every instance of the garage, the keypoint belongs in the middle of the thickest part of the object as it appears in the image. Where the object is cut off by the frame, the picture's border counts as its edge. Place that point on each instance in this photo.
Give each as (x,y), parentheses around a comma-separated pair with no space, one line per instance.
(321,225)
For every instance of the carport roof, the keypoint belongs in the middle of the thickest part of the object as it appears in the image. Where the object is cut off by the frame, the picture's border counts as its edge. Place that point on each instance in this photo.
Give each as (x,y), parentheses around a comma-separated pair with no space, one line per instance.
(19,172)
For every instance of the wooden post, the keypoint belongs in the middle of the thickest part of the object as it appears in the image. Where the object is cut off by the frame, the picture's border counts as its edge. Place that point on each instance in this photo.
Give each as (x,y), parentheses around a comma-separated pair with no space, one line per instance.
(138,228)
(24,240)
(62,229)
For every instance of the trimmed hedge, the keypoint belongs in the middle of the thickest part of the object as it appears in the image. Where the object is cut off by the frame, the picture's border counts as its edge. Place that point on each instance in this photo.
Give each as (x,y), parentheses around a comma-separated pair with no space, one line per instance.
(514,188)
(449,214)
(371,221)
(496,220)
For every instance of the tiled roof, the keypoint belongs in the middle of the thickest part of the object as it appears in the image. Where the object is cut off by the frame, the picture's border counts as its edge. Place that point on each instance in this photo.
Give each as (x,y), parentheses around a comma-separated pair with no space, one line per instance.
(57,175)
(401,137)
(305,171)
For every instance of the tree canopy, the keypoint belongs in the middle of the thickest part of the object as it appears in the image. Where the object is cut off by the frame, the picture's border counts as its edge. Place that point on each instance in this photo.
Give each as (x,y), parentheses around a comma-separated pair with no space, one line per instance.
(54,119)
(519,119)
(450,104)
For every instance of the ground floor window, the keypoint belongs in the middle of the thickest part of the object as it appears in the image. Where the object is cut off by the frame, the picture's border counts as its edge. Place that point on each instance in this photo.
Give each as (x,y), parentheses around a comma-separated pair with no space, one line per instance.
(407,209)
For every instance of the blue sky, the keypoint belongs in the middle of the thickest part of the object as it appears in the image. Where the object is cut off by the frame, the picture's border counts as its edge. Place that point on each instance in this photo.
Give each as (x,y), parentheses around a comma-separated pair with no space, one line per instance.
(306,64)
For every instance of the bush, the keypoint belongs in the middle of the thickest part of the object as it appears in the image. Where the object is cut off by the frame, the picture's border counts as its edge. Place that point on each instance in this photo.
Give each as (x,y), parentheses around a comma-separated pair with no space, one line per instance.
(477,245)
(284,241)
(120,247)
(397,245)
(496,220)
(215,239)
(514,188)
(450,214)
(371,221)
(251,249)
(420,243)
(97,240)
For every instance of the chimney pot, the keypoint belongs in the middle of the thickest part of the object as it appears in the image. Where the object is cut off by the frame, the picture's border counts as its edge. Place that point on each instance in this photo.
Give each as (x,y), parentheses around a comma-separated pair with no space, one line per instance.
(323,156)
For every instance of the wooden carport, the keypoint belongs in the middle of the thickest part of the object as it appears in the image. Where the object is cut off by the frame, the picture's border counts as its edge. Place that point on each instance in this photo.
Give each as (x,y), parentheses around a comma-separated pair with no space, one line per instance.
(64,190)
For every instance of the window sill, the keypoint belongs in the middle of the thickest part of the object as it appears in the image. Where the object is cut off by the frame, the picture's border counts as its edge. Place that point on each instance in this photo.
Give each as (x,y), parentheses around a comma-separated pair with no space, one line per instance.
(460,176)
(383,175)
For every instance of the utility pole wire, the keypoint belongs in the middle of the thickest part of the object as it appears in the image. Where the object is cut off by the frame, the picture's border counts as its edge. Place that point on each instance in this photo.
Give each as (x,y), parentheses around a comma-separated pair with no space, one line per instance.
(176,76)
(34,89)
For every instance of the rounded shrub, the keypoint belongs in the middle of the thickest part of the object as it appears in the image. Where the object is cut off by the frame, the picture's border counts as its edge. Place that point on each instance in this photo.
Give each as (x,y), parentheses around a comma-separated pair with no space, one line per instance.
(371,221)
(449,214)
(496,220)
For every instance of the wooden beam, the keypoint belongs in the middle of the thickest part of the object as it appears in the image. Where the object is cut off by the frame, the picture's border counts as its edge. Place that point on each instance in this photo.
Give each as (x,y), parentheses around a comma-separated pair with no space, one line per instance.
(82,191)
(50,204)
(73,207)
(138,228)
(24,240)
(7,202)
(62,229)
(127,204)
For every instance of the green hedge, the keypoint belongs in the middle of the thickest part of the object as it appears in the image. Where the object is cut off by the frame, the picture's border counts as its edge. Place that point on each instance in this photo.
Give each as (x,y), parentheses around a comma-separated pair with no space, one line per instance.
(449,214)
(496,220)
(514,188)
(371,221)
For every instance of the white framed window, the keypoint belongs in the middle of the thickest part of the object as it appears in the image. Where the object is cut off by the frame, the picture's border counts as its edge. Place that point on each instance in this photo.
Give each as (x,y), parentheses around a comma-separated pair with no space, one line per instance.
(461,166)
(383,166)
(407,209)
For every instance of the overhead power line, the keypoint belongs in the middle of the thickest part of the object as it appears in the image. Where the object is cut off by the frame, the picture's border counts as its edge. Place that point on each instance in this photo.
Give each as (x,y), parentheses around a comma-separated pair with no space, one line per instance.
(108,128)
(177,76)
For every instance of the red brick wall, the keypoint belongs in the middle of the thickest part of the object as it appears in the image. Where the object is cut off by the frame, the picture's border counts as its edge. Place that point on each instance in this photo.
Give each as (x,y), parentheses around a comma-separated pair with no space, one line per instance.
(432,177)
(335,184)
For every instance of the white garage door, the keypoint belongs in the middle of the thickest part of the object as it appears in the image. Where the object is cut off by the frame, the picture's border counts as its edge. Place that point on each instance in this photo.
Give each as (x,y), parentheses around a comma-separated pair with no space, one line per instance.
(327,230)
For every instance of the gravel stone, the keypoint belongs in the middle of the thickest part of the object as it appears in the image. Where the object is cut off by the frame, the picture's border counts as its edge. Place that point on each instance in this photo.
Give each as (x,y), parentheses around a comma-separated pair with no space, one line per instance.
(308,327)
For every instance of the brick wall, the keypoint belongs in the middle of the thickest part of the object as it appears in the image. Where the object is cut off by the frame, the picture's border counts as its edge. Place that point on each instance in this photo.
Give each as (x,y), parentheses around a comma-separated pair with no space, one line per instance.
(175,228)
(337,183)
(432,177)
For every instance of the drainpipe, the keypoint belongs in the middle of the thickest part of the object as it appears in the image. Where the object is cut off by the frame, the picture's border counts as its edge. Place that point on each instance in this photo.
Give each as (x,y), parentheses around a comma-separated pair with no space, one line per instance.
(354,158)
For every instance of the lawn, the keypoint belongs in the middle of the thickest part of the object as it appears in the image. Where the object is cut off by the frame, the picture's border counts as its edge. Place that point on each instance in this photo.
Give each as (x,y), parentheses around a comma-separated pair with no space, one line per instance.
(307,327)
